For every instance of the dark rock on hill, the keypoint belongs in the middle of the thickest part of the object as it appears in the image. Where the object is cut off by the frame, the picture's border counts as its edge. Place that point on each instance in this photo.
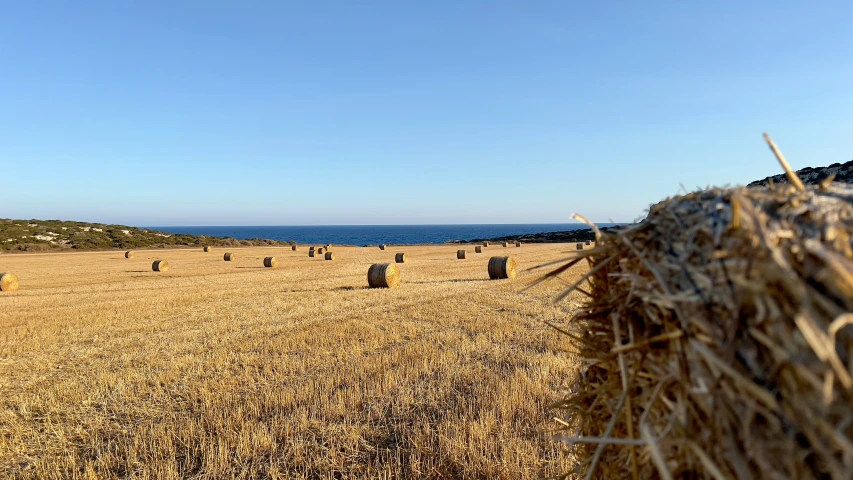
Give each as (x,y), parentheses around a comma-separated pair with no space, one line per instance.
(812,176)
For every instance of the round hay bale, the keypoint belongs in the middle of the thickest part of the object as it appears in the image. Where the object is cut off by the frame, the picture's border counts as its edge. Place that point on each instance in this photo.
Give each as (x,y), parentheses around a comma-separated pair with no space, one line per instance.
(312,253)
(502,267)
(720,304)
(208,249)
(294,248)
(505,244)
(485,244)
(229,257)
(129,254)
(400,258)
(383,275)
(270,262)
(382,246)
(321,250)
(8,282)
(330,256)
(517,244)
(328,246)
(160,266)
(587,242)
(478,249)
(460,254)
(580,246)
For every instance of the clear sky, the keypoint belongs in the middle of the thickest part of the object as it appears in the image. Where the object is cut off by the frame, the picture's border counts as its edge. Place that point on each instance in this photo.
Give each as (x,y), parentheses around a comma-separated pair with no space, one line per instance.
(350,112)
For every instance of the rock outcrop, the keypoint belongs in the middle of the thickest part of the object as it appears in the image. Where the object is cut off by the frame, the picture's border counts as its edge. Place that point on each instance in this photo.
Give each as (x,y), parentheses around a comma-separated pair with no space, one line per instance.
(812,176)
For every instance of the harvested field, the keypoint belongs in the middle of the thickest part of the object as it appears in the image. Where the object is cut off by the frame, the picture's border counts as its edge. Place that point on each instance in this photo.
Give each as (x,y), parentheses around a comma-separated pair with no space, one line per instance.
(228,369)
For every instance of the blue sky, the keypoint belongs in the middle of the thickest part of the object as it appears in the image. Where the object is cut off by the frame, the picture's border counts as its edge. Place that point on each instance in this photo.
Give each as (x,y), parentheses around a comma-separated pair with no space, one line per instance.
(272,112)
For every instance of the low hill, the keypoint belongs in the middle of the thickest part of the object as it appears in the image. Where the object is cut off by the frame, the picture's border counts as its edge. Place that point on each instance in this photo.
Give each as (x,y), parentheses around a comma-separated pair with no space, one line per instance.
(814,175)
(44,235)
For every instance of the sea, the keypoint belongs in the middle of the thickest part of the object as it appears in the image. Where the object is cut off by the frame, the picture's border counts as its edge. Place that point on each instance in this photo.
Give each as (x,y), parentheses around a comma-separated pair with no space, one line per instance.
(375,234)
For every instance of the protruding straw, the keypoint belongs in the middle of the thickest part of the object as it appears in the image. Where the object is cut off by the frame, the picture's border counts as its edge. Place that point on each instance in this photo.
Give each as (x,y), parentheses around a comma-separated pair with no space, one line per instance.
(792,177)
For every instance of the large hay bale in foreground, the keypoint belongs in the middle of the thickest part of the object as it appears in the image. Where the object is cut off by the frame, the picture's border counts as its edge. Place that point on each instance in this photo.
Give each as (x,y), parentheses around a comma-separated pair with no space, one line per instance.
(460,254)
(270,262)
(383,275)
(129,254)
(160,266)
(9,282)
(229,257)
(330,256)
(400,258)
(502,267)
(478,249)
(717,339)
(208,249)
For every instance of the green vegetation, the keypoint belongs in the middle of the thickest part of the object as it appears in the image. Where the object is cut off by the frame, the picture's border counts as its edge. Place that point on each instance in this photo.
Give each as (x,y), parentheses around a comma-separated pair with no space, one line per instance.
(45,235)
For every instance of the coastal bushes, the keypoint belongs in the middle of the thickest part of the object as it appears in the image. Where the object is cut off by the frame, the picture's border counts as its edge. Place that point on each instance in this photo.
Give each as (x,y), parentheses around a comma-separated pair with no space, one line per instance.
(38,236)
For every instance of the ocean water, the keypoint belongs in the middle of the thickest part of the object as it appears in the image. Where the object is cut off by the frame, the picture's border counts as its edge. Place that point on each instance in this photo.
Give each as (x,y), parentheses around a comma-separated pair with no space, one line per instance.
(373,234)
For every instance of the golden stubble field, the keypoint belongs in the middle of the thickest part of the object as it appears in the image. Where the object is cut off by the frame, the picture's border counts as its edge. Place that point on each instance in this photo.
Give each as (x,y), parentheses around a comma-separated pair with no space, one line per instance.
(230,370)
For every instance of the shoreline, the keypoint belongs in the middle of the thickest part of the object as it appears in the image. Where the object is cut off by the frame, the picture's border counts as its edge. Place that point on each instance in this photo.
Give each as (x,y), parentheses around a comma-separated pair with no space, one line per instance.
(566,236)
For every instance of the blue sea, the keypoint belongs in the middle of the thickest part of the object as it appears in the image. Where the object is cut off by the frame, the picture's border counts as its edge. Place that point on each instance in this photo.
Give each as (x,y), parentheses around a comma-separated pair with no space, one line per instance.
(374,234)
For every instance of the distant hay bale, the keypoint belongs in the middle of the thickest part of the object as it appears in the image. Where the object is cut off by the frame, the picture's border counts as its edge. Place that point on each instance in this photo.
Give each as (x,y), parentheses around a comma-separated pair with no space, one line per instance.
(460,254)
(328,246)
(312,253)
(321,251)
(8,282)
(270,262)
(505,244)
(312,247)
(502,267)
(517,244)
(330,256)
(587,242)
(383,275)
(400,258)
(478,249)
(129,254)
(580,246)
(485,244)
(294,247)
(160,266)
(716,340)
(382,246)
(208,249)
(229,257)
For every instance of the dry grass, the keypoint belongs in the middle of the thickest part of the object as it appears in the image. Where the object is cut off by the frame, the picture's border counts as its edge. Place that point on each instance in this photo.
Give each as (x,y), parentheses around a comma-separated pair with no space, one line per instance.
(219,370)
